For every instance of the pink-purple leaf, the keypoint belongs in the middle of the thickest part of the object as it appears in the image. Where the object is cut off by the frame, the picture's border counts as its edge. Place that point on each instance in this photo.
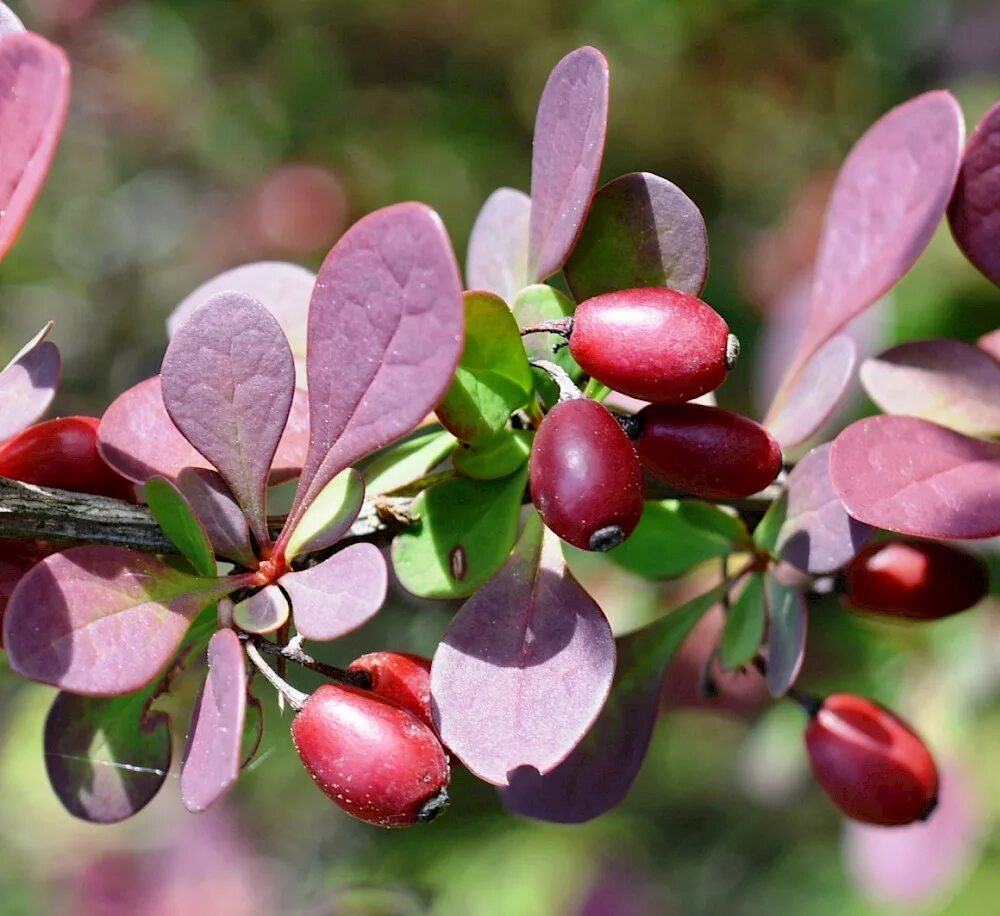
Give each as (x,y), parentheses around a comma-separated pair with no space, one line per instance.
(915,477)
(28,383)
(215,739)
(888,199)
(102,621)
(990,343)
(818,536)
(497,260)
(570,127)
(385,336)
(974,212)
(600,770)
(812,395)
(228,380)
(9,23)
(339,594)
(217,510)
(946,381)
(525,667)
(786,634)
(264,612)
(34,95)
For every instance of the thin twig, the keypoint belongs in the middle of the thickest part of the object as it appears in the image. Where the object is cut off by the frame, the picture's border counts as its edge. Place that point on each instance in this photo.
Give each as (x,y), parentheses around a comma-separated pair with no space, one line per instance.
(293,652)
(567,388)
(295,698)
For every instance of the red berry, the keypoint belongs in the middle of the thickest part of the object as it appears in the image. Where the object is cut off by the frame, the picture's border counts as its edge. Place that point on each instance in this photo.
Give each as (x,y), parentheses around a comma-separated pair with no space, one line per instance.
(870,763)
(374,759)
(921,580)
(586,481)
(63,453)
(707,451)
(654,344)
(402,678)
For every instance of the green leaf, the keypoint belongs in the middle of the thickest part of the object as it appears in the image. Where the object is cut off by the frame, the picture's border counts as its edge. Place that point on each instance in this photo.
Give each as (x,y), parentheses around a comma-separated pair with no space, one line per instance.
(493,379)
(709,517)
(500,456)
(329,515)
(407,460)
(744,625)
(765,535)
(175,516)
(540,302)
(467,528)
(670,539)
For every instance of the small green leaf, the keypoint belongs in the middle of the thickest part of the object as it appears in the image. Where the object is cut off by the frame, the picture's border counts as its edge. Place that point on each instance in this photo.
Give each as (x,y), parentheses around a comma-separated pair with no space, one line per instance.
(409,459)
(540,302)
(493,379)
(596,391)
(175,516)
(467,528)
(765,535)
(329,515)
(744,625)
(709,517)
(500,456)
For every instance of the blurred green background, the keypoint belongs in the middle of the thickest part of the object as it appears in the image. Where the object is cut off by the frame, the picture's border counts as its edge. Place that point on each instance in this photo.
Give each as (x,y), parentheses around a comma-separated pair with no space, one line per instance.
(208,133)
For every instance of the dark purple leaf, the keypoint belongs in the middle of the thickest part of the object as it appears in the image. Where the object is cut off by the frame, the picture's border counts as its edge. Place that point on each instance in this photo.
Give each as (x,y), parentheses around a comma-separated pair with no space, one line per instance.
(497,260)
(525,667)
(570,126)
(598,773)
(642,230)
(915,477)
(385,336)
(946,381)
(264,612)
(786,634)
(217,510)
(106,757)
(9,23)
(808,399)
(818,536)
(215,739)
(228,380)
(974,212)
(339,594)
(990,343)
(28,383)
(889,197)
(102,621)
(34,95)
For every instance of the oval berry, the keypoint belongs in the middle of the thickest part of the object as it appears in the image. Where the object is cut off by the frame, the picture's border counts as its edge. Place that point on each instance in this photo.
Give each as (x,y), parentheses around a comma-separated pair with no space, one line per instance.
(870,763)
(586,480)
(374,759)
(63,453)
(400,677)
(706,451)
(655,344)
(919,580)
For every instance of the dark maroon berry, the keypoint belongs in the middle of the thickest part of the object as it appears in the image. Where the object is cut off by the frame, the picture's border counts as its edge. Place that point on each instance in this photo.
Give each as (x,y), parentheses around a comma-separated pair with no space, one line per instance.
(586,481)
(707,451)
(655,344)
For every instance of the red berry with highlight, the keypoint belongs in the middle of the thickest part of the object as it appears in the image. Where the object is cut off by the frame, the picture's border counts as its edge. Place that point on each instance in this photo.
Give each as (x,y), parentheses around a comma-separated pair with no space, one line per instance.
(586,480)
(870,763)
(655,344)
(400,677)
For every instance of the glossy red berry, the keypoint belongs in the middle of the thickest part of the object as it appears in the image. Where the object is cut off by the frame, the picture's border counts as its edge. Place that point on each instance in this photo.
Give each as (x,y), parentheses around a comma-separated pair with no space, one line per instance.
(586,481)
(374,759)
(870,763)
(63,453)
(400,677)
(655,344)
(706,451)
(920,580)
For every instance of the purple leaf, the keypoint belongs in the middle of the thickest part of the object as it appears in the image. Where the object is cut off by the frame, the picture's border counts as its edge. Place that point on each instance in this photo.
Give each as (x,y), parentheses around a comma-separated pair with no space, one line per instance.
(570,126)
(786,634)
(525,667)
(818,536)
(809,398)
(339,594)
(990,343)
(974,212)
(600,770)
(915,477)
(946,381)
(497,260)
(889,197)
(282,288)
(228,380)
(217,510)
(102,621)
(385,336)
(264,612)
(9,23)
(34,95)
(215,739)
(642,230)
(28,383)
